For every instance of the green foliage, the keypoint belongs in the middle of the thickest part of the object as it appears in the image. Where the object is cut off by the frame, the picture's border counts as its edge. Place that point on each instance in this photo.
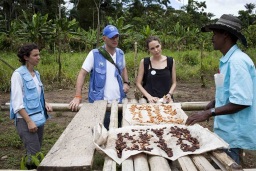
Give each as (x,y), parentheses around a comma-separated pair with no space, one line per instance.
(31,160)
(190,58)
(98,161)
(37,29)
(191,64)
(251,36)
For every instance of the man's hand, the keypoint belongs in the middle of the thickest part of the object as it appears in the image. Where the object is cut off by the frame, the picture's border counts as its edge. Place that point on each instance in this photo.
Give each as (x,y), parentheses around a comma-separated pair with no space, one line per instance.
(74,104)
(126,88)
(198,117)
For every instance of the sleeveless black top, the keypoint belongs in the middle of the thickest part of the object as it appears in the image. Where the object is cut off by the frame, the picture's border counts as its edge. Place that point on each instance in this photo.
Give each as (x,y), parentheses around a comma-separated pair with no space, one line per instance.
(158,81)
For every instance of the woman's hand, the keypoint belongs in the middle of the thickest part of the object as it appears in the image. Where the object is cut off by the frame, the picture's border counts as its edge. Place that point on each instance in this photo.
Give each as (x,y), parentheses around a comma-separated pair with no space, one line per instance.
(48,107)
(32,126)
(152,99)
(168,98)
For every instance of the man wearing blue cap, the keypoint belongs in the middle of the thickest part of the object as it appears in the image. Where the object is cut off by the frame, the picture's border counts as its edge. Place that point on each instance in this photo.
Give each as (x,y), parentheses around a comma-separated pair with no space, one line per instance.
(108,76)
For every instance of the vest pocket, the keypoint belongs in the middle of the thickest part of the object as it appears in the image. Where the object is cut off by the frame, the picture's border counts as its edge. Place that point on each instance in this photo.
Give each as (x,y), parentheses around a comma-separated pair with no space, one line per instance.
(100,78)
(32,101)
(32,96)
(38,118)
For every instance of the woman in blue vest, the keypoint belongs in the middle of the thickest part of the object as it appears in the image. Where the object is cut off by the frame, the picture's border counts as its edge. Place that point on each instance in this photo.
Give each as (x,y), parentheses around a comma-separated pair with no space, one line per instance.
(27,106)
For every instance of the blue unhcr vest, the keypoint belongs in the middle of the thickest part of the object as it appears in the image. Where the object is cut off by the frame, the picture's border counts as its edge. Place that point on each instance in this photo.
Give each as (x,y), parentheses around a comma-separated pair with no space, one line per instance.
(31,101)
(98,76)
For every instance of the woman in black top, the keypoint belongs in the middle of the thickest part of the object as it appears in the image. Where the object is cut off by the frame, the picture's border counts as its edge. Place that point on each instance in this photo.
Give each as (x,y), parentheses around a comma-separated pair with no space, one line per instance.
(157,74)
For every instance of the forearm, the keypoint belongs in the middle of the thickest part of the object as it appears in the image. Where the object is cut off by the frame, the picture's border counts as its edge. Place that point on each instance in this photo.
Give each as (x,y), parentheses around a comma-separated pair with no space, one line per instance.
(229,108)
(142,90)
(24,115)
(80,82)
(171,91)
(210,105)
(125,75)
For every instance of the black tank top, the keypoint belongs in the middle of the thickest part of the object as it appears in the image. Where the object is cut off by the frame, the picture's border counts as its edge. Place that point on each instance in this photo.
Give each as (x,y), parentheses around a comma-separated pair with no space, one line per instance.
(159,81)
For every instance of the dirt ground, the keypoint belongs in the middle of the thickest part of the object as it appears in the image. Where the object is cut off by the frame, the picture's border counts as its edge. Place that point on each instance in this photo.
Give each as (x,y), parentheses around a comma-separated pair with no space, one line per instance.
(185,92)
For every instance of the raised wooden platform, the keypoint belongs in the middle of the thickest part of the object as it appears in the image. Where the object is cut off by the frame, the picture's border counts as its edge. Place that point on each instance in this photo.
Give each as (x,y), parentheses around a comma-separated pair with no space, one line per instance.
(74,149)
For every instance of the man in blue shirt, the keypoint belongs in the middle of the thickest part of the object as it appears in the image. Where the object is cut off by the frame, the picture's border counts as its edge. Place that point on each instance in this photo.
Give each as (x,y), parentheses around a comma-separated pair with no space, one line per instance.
(234,106)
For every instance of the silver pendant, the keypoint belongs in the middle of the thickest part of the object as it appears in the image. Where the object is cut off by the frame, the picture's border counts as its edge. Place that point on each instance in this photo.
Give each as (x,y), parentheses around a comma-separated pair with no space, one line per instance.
(153,72)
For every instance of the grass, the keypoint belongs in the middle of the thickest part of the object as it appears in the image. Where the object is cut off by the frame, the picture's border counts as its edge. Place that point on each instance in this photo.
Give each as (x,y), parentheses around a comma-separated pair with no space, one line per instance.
(189,65)
(11,147)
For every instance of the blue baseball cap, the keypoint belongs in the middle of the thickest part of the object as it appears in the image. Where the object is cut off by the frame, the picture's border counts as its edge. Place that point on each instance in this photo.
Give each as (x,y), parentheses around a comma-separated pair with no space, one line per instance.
(110,31)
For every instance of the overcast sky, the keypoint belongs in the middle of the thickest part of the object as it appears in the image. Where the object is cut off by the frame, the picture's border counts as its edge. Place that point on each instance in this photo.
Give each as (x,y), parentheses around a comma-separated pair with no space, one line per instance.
(219,7)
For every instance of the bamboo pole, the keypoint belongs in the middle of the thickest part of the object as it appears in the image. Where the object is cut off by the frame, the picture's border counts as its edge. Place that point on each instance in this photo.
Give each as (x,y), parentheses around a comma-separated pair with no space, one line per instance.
(186,106)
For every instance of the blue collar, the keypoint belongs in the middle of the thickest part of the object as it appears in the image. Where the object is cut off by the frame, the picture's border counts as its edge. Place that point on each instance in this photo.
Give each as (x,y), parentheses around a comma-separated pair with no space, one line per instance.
(225,58)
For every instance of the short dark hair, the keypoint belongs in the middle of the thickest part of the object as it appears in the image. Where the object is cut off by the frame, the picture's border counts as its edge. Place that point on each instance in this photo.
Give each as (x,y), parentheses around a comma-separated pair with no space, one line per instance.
(150,39)
(25,50)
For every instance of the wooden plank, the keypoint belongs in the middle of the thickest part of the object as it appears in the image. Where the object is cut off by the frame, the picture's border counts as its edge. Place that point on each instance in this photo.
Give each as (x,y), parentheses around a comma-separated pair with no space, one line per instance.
(140,162)
(74,149)
(221,166)
(158,163)
(114,115)
(186,164)
(127,165)
(225,160)
(202,163)
(109,164)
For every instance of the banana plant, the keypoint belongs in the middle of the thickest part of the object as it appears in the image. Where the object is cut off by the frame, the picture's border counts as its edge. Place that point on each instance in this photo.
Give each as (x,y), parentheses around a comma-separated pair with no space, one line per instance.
(38,29)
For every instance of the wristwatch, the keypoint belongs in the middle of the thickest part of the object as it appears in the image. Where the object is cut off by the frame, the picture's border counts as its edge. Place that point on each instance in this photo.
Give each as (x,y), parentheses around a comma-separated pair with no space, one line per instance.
(213,112)
(127,82)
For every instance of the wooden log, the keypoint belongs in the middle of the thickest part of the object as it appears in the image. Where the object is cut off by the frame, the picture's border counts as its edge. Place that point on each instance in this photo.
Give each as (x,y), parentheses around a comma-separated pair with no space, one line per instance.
(193,106)
(140,160)
(225,161)
(157,163)
(109,164)
(186,106)
(202,163)
(186,164)
(114,115)
(127,165)
(74,149)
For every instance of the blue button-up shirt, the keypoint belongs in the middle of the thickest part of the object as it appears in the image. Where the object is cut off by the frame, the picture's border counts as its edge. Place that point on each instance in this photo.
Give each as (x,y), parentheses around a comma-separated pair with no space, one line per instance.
(238,129)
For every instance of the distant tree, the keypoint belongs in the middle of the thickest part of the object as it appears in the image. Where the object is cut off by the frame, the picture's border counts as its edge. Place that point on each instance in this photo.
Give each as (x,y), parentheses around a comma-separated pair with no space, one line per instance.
(246,16)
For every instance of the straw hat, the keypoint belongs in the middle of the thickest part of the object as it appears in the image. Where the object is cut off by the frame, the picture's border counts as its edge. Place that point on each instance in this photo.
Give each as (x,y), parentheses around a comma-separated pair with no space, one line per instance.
(229,23)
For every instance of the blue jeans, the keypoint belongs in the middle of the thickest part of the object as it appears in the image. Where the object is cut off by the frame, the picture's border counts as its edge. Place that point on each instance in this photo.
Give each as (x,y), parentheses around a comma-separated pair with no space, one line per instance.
(107,119)
(234,153)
